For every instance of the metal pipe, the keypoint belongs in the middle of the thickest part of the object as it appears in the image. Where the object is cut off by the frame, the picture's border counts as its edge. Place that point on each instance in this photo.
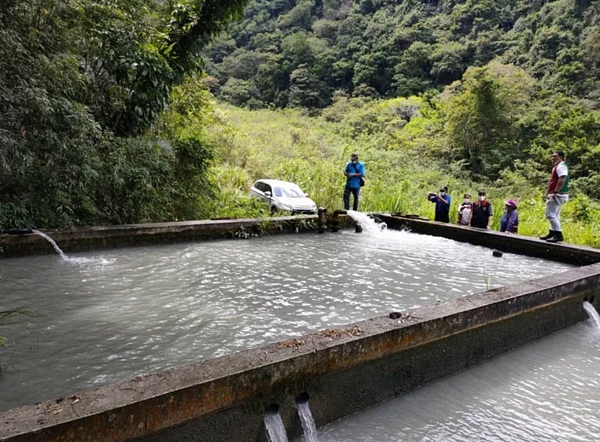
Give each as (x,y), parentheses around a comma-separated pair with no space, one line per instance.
(334,224)
(322,220)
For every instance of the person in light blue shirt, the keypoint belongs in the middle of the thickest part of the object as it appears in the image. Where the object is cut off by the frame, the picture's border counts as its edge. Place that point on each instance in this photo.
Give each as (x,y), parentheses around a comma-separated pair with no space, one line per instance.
(442,205)
(355,174)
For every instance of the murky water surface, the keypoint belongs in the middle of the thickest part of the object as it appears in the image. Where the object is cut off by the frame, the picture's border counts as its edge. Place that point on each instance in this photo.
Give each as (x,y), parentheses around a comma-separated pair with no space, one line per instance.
(109,315)
(547,391)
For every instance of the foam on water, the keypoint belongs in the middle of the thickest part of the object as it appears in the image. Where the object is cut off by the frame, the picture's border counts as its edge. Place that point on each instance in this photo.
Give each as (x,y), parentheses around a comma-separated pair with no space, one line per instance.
(367,223)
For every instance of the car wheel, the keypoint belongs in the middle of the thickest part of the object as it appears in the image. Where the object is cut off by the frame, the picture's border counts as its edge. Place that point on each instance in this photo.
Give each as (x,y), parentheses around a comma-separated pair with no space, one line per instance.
(273,210)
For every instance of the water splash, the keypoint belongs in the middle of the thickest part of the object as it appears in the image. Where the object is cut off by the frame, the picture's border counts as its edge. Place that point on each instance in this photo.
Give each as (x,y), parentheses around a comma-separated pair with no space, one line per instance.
(275,428)
(308,423)
(92,262)
(592,313)
(51,241)
(367,223)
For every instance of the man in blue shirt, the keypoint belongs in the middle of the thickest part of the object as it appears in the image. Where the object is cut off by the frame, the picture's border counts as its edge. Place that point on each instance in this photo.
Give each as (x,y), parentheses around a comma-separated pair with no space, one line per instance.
(355,174)
(442,205)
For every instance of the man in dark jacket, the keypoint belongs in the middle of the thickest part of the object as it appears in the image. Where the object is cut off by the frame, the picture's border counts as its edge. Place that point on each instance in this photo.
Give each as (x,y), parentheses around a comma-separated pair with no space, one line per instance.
(483,212)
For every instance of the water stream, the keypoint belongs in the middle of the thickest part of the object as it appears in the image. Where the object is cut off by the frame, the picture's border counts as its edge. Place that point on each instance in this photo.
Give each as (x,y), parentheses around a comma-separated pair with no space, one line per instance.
(274,425)
(368,224)
(592,313)
(308,423)
(51,241)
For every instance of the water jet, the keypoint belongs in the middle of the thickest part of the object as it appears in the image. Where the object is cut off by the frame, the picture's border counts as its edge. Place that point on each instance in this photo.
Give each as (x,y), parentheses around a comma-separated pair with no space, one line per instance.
(274,425)
(308,424)
(592,313)
(53,243)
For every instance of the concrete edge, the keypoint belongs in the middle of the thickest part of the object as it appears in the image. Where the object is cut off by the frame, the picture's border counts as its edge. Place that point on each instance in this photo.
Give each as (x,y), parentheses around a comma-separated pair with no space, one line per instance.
(524,245)
(131,235)
(158,401)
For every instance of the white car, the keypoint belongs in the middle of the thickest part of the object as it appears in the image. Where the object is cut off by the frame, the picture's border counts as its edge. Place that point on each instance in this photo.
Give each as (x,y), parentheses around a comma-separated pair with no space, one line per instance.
(282,195)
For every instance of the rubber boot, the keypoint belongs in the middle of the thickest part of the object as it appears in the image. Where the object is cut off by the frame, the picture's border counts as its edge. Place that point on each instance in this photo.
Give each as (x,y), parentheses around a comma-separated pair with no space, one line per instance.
(549,235)
(558,237)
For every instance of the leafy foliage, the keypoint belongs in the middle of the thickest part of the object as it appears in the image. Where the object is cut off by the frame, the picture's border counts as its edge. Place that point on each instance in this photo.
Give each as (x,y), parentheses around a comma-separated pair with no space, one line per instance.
(404,47)
(81,84)
(403,163)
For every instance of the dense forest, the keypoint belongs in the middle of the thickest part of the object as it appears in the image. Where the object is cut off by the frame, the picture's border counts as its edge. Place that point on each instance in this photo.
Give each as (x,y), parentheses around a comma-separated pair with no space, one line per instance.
(303,52)
(496,85)
(83,85)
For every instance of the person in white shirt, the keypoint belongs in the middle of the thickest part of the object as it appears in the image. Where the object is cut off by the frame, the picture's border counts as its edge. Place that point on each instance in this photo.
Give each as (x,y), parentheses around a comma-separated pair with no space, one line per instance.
(464,210)
(558,194)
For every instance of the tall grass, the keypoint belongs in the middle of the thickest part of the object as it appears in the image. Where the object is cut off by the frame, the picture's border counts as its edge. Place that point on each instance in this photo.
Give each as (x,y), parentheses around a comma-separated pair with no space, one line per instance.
(312,152)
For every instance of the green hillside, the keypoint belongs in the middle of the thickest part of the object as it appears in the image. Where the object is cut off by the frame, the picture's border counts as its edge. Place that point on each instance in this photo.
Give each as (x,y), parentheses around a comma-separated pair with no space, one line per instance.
(474,94)
(303,52)
(502,83)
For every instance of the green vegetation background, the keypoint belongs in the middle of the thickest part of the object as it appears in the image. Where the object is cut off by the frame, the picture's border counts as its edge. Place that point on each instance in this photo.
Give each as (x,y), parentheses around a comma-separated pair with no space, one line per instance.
(313,151)
(491,88)
(106,116)
(302,52)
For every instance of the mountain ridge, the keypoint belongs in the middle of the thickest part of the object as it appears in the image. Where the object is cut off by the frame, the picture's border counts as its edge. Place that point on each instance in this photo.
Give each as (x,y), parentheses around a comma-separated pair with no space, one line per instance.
(301,53)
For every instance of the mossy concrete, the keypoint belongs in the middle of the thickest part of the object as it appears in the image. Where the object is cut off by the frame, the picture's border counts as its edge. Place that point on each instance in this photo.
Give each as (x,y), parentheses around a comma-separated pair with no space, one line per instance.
(132,235)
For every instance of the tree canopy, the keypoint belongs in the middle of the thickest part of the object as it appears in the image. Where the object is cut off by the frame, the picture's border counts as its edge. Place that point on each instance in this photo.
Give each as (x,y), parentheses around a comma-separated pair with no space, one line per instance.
(81,84)
(386,48)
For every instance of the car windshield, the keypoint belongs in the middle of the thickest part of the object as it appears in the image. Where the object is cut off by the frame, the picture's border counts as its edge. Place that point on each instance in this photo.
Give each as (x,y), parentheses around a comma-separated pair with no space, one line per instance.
(289,192)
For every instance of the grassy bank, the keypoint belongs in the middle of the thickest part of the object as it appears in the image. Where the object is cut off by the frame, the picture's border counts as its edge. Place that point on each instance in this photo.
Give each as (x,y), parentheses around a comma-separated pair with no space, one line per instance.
(313,151)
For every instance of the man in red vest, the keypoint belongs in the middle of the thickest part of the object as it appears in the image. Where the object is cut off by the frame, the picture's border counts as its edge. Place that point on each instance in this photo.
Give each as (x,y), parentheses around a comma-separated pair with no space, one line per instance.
(558,194)
(482,214)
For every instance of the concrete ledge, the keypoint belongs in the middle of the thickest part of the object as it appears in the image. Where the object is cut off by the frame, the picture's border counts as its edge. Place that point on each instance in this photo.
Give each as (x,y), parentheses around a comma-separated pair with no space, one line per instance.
(129,235)
(523,245)
(344,371)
